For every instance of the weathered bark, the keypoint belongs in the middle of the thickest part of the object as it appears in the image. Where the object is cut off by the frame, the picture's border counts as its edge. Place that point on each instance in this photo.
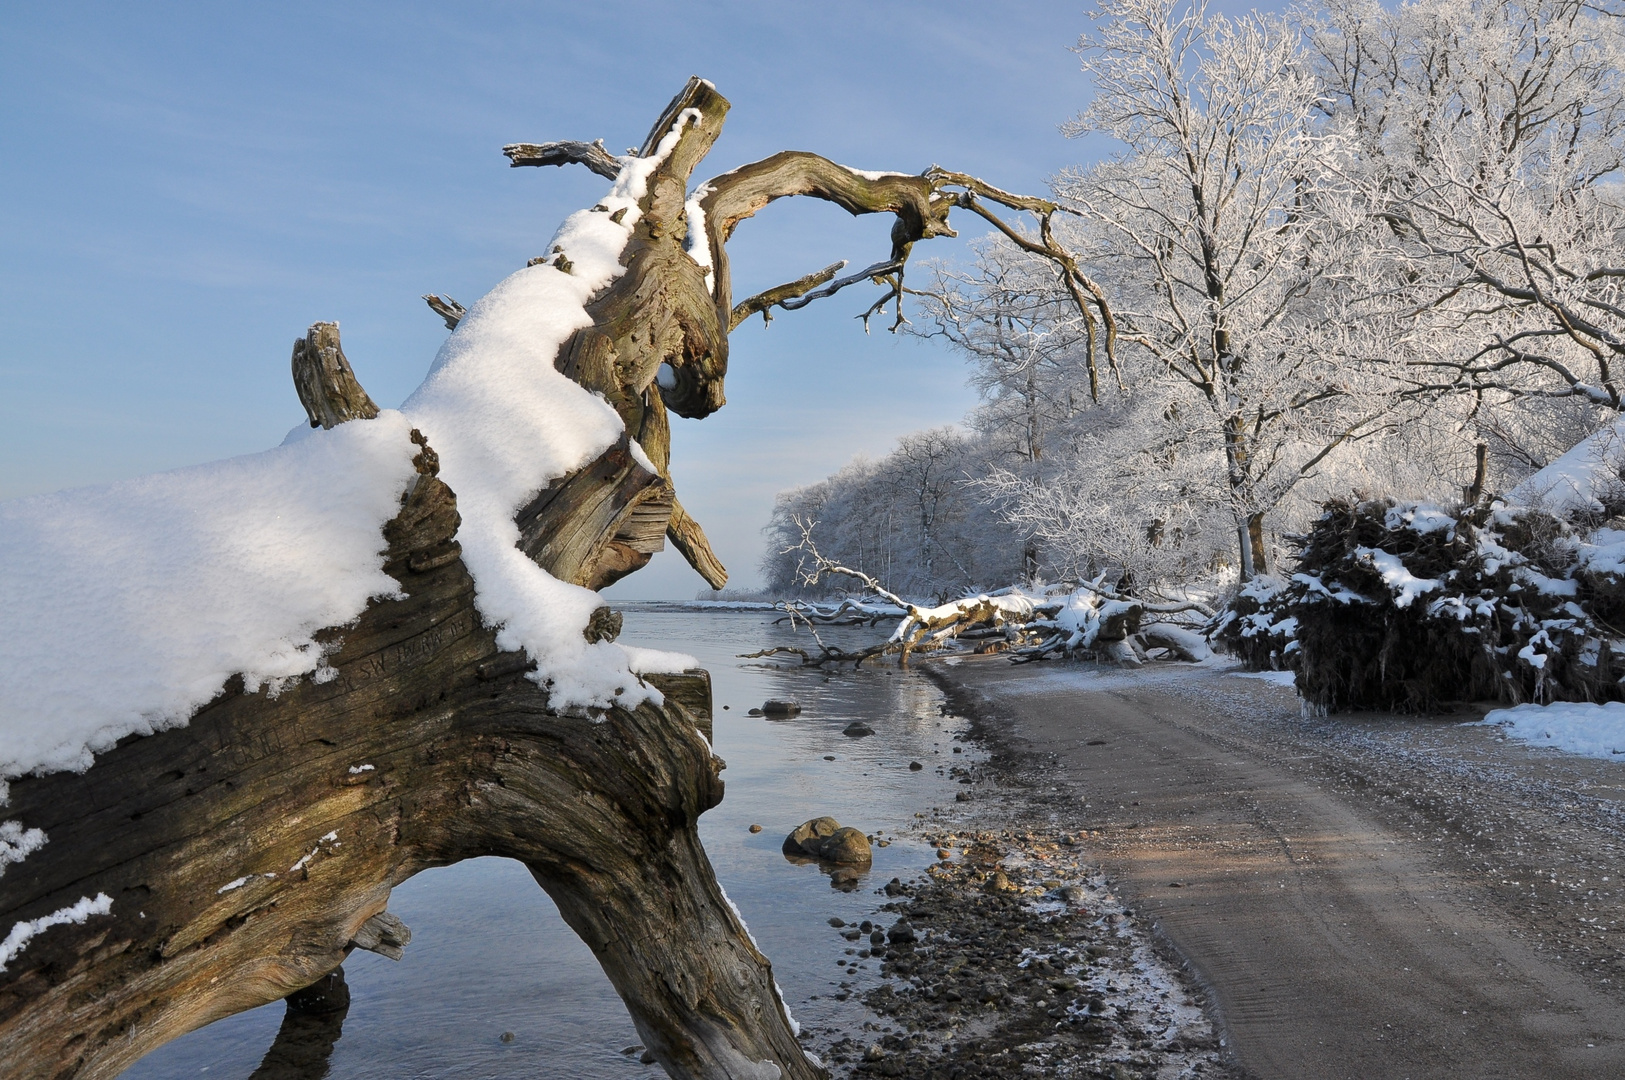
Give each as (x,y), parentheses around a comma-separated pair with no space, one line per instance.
(447,308)
(249,851)
(592,155)
(325,382)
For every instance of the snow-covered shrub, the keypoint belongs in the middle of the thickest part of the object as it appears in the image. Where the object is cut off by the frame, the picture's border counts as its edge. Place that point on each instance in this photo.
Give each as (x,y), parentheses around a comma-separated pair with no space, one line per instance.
(1407,606)
(1253,627)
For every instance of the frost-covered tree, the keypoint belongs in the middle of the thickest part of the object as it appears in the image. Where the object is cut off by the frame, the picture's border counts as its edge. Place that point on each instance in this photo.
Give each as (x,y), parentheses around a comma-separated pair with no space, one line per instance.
(1339,249)
(912,520)
(1220,233)
(1485,139)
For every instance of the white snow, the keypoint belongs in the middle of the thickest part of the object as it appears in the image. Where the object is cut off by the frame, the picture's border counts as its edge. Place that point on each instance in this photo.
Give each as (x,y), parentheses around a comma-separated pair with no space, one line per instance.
(357,770)
(1401,582)
(784,1003)
(17,843)
(1083,613)
(1340,593)
(506,423)
(1604,553)
(1571,482)
(235,883)
(1419,517)
(24,932)
(733,907)
(871,174)
(697,243)
(125,607)
(1574,727)
(1287,679)
(641,456)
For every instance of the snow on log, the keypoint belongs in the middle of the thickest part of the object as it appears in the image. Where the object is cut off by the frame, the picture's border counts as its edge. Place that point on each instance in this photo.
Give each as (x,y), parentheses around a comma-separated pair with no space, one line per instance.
(1089,620)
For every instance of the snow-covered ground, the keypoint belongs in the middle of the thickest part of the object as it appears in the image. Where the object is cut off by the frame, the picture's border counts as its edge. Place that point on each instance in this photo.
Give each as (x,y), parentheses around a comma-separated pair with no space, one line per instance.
(1575,727)
(1287,679)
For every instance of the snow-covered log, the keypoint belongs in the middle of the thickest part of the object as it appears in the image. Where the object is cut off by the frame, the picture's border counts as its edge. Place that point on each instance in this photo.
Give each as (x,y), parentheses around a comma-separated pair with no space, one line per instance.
(243,854)
(1183,643)
(239,703)
(1034,622)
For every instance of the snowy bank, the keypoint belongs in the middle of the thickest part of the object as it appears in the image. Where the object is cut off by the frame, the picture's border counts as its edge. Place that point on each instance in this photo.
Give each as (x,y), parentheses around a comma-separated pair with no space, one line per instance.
(1573,482)
(1574,727)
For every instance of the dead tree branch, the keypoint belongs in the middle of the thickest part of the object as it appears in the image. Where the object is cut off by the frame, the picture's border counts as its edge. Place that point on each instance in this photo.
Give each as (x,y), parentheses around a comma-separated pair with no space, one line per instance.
(446,308)
(592,155)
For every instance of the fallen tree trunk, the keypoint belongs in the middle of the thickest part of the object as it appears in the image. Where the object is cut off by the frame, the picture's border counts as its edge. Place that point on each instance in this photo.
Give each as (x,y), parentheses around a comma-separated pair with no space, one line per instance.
(244,852)
(207,869)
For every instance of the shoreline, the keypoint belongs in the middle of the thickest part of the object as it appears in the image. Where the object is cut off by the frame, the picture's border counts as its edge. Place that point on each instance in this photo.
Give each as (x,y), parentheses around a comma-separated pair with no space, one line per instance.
(1015,952)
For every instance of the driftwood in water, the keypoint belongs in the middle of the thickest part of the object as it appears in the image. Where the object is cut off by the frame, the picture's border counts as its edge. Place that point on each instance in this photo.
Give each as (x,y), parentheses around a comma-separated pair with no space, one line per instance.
(246,853)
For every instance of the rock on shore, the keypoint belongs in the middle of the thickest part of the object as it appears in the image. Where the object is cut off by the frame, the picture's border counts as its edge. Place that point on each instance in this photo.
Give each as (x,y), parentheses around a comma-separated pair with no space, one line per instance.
(825,838)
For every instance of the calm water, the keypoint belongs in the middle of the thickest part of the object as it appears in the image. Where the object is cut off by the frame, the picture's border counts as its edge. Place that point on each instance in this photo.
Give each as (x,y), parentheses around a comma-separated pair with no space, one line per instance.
(489,953)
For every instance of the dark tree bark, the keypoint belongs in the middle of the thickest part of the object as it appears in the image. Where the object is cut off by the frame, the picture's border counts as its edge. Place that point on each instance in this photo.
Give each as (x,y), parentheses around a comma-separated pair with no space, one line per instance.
(247,853)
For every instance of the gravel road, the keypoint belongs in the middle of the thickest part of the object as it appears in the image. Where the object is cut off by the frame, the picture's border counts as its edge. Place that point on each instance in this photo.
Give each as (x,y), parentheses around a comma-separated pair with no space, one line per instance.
(1363,896)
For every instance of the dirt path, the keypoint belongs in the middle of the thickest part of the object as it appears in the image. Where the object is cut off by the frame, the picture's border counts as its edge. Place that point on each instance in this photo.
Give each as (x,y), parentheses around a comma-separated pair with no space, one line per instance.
(1359,896)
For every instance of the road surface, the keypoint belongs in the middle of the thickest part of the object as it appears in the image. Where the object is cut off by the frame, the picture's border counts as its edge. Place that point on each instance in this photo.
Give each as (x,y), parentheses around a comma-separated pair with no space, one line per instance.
(1363,897)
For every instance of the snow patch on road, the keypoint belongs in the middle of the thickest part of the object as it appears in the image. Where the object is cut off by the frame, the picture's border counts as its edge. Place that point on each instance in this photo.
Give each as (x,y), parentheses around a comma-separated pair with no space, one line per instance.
(1287,679)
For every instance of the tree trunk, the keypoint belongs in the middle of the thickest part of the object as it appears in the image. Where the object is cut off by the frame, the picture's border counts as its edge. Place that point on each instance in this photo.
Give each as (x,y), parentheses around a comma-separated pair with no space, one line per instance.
(244,852)
(1255,541)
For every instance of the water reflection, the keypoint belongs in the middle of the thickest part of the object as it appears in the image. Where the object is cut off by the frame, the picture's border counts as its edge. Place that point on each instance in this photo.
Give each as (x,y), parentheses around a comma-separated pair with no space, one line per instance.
(311,1026)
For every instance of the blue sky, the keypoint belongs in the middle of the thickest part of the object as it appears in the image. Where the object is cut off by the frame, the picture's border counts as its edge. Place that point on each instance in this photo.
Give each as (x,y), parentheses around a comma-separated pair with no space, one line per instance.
(185,187)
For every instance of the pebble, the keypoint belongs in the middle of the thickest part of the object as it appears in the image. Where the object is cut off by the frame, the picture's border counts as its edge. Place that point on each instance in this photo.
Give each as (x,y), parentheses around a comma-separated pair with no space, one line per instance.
(857,730)
(507,1036)
(915,766)
(755,828)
